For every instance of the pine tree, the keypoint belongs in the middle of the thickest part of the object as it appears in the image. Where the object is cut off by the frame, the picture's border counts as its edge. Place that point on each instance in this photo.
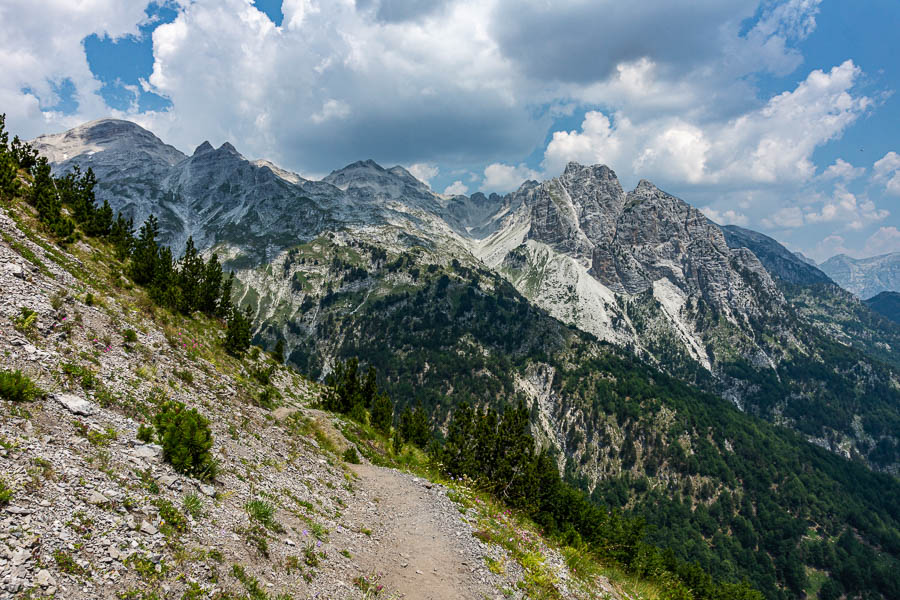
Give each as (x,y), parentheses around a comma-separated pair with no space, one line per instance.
(121,235)
(237,333)
(4,135)
(382,413)
(45,199)
(211,287)
(101,221)
(278,353)
(9,169)
(223,308)
(514,471)
(486,442)
(369,389)
(165,288)
(145,256)
(414,426)
(24,154)
(459,449)
(190,279)
(9,177)
(186,440)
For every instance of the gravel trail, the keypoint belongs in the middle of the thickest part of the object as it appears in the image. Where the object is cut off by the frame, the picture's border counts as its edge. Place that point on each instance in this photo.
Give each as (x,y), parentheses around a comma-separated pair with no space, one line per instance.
(424,550)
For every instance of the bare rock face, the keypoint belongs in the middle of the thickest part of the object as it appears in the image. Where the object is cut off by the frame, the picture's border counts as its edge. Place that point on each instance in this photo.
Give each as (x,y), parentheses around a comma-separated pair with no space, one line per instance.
(631,241)
(576,211)
(660,236)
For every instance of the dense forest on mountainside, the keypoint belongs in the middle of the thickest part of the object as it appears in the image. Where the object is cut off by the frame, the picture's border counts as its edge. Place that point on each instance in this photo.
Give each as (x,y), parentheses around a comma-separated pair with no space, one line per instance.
(742,497)
(886,304)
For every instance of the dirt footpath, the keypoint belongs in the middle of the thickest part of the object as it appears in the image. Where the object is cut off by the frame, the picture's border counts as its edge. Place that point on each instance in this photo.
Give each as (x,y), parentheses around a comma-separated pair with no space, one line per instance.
(424,550)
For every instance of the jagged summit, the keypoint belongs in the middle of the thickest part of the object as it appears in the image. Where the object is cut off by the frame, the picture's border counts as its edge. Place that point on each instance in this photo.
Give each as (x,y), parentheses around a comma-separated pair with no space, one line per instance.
(203,148)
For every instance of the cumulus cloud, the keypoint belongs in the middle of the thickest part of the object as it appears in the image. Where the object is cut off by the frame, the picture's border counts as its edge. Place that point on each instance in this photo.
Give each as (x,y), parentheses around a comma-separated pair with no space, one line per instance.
(337,83)
(456,188)
(424,172)
(845,208)
(584,42)
(830,246)
(789,217)
(725,217)
(773,144)
(41,53)
(883,241)
(887,171)
(502,178)
(843,170)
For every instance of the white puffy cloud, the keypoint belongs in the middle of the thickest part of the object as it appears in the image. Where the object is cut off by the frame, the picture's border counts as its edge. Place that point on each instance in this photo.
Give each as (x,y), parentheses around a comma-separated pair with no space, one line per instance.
(502,178)
(41,48)
(424,172)
(887,171)
(830,246)
(725,217)
(842,170)
(845,208)
(884,241)
(456,188)
(773,144)
(337,82)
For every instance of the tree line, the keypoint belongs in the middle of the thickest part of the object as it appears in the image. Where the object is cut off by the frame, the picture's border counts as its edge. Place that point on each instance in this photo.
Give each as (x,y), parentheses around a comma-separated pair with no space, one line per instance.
(68,208)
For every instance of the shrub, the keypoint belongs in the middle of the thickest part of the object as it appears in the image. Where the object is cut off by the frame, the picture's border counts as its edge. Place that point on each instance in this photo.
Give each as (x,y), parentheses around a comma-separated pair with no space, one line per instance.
(351,456)
(186,440)
(26,321)
(89,299)
(145,433)
(6,492)
(359,414)
(173,521)
(193,506)
(17,387)
(264,513)
(130,336)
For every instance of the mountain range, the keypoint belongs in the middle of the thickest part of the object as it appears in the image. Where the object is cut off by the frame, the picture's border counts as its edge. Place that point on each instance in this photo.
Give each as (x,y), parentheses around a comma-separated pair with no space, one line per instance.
(670,365)
(724,308)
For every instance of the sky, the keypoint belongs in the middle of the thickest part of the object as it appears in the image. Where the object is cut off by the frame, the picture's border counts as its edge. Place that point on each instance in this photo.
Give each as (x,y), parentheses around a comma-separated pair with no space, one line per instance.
(777,115)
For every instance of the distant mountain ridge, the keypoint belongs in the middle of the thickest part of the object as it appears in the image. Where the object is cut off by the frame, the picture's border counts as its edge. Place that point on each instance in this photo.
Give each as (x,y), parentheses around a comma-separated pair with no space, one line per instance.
(778,260)
(865,277)
(644,270)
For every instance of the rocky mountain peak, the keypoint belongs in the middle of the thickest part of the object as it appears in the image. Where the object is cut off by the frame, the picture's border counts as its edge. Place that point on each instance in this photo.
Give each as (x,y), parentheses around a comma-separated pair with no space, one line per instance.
(227,147)
(89,139)
(203,149)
